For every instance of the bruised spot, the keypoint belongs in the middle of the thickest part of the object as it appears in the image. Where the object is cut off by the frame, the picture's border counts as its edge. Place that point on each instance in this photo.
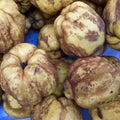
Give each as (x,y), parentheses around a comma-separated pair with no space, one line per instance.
(79,24)
(101,24)
(92,36)
(99,113)
(37,70)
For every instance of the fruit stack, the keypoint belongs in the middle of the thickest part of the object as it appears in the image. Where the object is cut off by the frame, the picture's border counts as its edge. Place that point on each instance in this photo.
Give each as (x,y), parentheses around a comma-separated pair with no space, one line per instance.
(66,70)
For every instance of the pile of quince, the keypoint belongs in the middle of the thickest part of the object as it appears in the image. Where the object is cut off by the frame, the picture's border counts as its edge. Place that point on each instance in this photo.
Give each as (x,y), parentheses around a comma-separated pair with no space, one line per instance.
(65,70)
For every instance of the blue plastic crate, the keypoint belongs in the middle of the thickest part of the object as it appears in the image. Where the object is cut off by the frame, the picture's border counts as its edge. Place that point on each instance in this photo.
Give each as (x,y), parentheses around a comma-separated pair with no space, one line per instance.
(31,37)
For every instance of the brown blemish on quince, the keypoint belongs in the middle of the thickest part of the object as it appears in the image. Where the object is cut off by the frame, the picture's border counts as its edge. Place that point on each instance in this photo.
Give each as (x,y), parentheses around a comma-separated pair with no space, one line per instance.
(117,9)
(92,36)
(51,1)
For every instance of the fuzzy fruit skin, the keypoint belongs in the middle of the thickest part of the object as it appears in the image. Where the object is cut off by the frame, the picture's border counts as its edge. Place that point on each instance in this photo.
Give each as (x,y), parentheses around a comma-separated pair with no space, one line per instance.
(108,112)
(111,16)
(27,84)
(80,30)
(47,39)
(53,108)
(62,65)
(14,109)
(92,82)
(12,25)
(50,7)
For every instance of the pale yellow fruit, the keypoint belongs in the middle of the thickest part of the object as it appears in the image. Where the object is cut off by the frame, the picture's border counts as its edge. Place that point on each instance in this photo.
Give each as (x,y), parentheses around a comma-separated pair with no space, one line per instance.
(108,112)
(112,21)
(14,109)
(30,82)
(12,25)
(93,81)
(62,65)
(47,39)
(50,7)
(53,108)
(80,30)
